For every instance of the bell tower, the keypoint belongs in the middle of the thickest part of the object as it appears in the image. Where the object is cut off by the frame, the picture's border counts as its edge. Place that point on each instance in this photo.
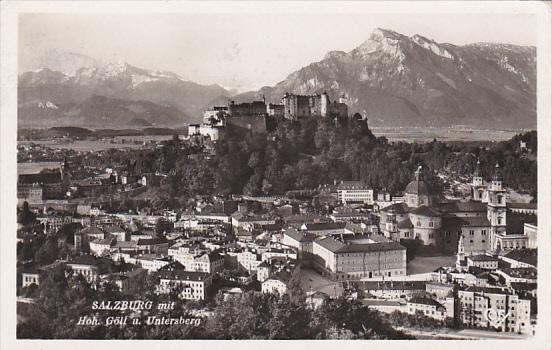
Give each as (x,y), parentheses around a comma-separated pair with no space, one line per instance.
(477,185)
(496,206)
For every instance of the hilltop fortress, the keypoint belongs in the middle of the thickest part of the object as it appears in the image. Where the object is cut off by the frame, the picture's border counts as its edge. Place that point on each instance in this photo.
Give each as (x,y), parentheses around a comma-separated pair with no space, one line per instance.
(255,115)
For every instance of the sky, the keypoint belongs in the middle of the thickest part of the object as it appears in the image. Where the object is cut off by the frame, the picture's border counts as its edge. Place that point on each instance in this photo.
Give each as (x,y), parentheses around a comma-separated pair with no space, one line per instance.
(243,51)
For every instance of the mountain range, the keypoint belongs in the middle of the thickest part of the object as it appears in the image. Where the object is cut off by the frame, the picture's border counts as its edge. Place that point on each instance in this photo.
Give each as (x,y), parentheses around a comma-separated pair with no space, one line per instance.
(391,79)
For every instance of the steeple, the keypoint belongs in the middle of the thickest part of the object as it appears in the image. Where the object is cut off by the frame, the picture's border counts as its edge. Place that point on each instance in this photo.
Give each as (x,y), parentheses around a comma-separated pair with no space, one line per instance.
(418,173)
(497,175)
(477,171)
(460,255)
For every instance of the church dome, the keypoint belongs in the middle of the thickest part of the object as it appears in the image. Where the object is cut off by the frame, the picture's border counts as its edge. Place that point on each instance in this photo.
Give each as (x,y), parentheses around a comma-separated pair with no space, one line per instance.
(418,185)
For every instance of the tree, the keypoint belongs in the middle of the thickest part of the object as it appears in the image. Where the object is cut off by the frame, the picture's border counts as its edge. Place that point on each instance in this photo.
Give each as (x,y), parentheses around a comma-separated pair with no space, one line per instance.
(25,216)
(48,253)
(163,226)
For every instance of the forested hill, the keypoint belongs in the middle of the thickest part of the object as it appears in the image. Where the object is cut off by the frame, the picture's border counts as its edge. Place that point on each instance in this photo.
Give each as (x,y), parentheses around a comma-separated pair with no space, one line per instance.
(297,156)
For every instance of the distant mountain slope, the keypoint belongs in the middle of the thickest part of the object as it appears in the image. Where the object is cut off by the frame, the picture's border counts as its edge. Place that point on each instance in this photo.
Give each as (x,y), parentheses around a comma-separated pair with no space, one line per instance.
(392,79)
(100,111)
(396,80)
(72,79)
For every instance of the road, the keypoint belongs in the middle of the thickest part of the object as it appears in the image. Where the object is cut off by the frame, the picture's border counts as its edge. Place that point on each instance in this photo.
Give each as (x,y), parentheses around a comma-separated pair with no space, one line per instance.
(446,333)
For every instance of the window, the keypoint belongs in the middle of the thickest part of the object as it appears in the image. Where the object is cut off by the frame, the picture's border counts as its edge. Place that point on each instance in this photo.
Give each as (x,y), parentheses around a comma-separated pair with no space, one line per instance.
(483,232)
(418,223)
(472,232)
(431,224)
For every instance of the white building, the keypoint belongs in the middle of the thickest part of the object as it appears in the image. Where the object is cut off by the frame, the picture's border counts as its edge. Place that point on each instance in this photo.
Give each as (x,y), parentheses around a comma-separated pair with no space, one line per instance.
(190,285)
(355,192)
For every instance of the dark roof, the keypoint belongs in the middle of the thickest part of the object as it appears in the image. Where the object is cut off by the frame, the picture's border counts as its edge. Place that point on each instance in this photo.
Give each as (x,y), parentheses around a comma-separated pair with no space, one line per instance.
(151,241)
(426,301)
(398,208)
(463,207)
(41,178)
(515,222)
(528,256)
(92,230)
(283,276)
(482,258)
(85,260)
(325,226)
(455,223)
(424,210)
(522,286)
(522,205)
(418,187)
(300,236)
(406,223)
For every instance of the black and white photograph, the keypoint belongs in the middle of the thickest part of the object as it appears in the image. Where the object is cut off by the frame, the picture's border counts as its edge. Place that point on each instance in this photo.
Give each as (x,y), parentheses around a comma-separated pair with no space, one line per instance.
(276,171)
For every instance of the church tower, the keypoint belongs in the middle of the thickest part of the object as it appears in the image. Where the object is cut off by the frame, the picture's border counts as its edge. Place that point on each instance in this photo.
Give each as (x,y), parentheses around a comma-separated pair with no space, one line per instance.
(391,227)
(460,255)
(496,206)
(477,185)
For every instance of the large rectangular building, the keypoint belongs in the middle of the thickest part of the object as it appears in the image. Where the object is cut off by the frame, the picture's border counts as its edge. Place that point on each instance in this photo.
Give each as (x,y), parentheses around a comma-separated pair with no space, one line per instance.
(366,259)
(355,192)
(485,307)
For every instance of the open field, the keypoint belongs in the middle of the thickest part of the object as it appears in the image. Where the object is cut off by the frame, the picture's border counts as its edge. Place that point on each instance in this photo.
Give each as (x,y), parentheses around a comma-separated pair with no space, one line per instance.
(312,280)
(423,264)
(426,134)
(118,142)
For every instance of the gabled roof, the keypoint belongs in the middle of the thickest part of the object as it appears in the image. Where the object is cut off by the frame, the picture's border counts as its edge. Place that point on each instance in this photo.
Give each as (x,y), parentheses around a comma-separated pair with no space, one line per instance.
(455,223)
(424,210)
(528,256)
(482,258)
(84,260)
(398,208)
(462,207)
(426,301)
(41,178)
(92,230)
(405,224)
(325,226)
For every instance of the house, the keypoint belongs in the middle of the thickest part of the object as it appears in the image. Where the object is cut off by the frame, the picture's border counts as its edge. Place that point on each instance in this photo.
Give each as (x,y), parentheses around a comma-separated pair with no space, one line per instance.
(190,285)
(29,275)
(277,283)
(482,261)
(87,266)
(390,289)
(99,247)
(426,305)
(510,312)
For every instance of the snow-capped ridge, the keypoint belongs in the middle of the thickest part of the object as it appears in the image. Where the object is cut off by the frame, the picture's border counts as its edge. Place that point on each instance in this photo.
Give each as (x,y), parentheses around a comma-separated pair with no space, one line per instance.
(432,46)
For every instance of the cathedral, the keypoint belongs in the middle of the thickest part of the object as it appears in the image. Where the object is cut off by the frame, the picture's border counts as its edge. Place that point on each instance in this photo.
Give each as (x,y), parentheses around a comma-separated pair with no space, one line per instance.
(485,223)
